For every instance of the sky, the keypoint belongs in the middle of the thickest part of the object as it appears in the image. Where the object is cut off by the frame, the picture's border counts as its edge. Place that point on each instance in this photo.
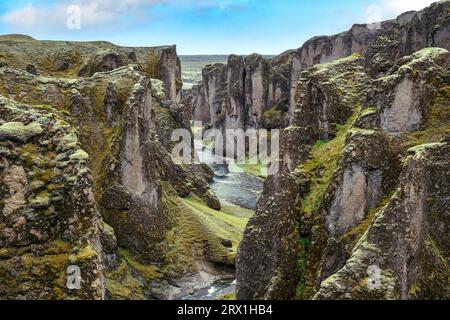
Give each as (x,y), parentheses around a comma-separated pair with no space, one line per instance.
(196,26)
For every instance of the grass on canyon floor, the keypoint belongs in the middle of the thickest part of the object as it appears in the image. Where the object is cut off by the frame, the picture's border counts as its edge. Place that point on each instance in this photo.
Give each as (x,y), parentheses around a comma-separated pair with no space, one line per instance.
(200,231)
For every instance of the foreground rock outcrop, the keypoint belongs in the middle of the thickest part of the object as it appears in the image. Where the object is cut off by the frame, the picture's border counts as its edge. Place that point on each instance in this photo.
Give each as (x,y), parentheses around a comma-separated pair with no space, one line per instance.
(49,218)
(93,206)
(361,217)
(404,253)
(93,182)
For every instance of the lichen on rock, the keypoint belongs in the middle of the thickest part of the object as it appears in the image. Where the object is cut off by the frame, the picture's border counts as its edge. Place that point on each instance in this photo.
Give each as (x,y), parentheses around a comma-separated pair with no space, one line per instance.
(48,211)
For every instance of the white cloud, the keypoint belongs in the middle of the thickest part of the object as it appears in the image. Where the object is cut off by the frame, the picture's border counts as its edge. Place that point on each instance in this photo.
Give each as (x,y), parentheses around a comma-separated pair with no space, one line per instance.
(392,8)
(97,13)
(94,13)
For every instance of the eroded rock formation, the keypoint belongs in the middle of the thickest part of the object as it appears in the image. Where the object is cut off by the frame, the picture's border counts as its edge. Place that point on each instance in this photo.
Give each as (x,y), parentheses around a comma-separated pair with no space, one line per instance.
(88,179)
(269,85)
(362,225)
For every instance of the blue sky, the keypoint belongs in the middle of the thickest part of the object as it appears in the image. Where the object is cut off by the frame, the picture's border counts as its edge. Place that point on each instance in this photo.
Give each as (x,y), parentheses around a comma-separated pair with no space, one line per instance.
(196,26)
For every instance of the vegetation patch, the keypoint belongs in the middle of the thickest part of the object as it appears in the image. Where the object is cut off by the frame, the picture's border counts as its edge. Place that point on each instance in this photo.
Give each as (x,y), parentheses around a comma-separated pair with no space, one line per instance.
(302,265)
(438,121)
(323,163)
(201,233)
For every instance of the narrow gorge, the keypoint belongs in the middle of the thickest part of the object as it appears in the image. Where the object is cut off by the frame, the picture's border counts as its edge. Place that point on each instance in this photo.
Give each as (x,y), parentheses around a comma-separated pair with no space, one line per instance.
(359,208)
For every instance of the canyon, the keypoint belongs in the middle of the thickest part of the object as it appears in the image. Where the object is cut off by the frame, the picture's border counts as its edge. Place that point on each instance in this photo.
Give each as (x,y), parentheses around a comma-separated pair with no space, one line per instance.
(358,210)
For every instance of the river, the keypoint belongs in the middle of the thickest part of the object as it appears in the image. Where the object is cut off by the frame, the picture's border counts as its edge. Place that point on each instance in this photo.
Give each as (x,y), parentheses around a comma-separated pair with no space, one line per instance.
(231,185)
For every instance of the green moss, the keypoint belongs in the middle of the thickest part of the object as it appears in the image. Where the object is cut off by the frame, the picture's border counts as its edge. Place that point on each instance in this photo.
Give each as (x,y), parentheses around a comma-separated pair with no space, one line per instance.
(271,117)
(437,127)
(331,65)
(324,157)
(353,236)
(148,272)
(20,131)
(122,285)
(229,296)
(196,226)
(28,152)
(257,170)
(414,290)
(107,229)
(85,253)
(102,148)
(233,210)
(58,247)
(368,111)
(158,88)
(302,265)
(233,221)
(79,155)
(423,147)
(435,250)
(152,65)
(69,141)
(41,200)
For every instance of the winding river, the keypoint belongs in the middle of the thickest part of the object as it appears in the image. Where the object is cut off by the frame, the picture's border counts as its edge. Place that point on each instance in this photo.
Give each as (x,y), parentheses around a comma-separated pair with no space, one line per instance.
(232,185)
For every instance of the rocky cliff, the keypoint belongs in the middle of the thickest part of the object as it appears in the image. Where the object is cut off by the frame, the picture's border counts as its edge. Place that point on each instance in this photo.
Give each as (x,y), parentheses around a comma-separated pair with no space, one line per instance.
(84,59)
(366,211)
(92,205)
(87,178)
(257,92)
(49,218)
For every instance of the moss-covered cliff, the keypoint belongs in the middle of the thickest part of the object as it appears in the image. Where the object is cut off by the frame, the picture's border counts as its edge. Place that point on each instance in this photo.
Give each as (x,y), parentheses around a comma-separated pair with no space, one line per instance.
(373,206)
(88,179)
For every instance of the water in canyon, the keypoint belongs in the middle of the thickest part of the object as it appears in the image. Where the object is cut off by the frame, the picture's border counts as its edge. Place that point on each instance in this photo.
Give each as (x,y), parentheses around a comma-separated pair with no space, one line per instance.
(233,186)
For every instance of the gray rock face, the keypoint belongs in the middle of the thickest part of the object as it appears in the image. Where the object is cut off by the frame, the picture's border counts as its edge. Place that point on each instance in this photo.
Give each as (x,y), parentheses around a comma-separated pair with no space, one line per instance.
(116,113)
(407,241)
(199,106)
(169,71)
(102,61)
(402,98)
(328,94)
(123,120)
(215,79)
(367,172)
(267,256)
(239,93)
(132,189)
(359,191)
(337,214)
(235,113)
(404,114)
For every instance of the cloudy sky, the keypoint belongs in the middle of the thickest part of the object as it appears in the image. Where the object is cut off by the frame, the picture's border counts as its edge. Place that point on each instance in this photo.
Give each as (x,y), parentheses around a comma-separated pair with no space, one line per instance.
(196,26)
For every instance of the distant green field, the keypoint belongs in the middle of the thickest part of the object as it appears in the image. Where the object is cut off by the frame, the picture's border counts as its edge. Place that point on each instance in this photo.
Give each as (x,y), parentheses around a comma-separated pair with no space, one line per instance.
(192,66)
